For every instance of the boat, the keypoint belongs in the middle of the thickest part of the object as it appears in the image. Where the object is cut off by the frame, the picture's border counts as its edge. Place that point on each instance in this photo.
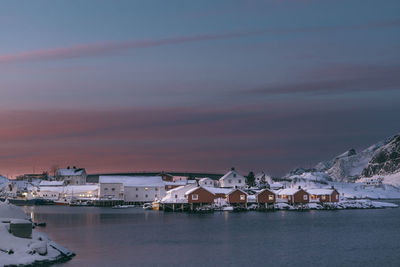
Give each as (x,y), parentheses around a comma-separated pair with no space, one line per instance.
(148,206)
(27,202)
(62,202)
(155,205)
(81,203)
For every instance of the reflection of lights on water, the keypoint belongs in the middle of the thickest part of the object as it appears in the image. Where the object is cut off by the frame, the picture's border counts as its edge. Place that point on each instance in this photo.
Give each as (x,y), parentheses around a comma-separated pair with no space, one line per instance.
(226,215)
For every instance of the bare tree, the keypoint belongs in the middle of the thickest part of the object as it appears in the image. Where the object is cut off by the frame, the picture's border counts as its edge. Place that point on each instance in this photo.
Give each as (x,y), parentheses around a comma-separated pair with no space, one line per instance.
(53,169)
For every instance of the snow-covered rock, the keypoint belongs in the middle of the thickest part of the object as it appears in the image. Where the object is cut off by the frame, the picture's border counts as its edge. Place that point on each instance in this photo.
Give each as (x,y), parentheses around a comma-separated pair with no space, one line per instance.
(38,249)
(350,165)
(386,160)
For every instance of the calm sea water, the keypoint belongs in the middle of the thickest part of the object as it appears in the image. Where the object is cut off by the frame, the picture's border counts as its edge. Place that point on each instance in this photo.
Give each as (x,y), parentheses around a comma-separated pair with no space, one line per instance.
(134,237)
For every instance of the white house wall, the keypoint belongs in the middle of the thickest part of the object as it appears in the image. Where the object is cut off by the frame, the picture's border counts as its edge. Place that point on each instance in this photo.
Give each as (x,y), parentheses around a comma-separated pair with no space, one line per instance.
(143,194)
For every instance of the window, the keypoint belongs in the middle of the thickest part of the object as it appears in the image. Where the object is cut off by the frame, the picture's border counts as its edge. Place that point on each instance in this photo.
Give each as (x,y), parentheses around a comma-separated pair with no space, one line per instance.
(230,181)
(146,196)
(113,189)
(105,189)
(176,196)
(155,195)
(242,197)
(305,197)
(337,197)
(323,197)
(195,197)
(137,196)
(234,175)
(270,197)
(137,189)
(156,189)
(146,189)
(240,181)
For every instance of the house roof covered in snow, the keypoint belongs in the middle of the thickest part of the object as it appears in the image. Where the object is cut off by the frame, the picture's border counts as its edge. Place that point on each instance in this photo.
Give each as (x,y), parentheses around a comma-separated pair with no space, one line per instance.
(218,190)
(320,191)
(288,191)
(51,183)
(71,172)
(232,174)
(265,189)
(205,179)
(139,181)
(198,187)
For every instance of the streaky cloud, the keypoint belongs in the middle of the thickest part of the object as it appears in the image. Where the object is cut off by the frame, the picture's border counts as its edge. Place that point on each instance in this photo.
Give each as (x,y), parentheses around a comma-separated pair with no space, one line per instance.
(107,48)
(344,79)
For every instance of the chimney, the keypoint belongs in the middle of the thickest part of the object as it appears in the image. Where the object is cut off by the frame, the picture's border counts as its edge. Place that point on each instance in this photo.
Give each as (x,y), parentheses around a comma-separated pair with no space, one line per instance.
(232,169)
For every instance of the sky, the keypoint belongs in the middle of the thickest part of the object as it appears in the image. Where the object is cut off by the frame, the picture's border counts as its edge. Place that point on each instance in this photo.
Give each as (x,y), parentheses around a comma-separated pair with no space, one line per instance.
(118,86)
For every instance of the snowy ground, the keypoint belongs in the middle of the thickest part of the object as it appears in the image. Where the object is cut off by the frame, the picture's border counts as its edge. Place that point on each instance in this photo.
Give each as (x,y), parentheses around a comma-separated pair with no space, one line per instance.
(352,190)
(25,251)
(357,190)
(343,204)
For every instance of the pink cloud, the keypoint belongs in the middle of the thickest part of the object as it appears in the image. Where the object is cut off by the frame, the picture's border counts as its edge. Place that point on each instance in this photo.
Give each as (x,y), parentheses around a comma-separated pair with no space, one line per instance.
(106,48)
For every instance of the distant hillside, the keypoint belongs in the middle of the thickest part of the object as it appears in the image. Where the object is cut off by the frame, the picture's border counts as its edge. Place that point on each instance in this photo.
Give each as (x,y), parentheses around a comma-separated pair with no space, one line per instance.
(382,158)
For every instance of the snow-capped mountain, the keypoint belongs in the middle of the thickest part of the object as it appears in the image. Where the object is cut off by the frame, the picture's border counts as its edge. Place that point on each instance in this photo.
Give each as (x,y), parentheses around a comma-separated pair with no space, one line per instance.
(350,165)
(382,158)
(386,159)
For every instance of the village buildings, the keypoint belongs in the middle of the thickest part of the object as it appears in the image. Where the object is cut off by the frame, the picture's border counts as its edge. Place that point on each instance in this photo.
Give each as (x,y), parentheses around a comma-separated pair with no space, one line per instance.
(73,176)
(232,179)
(294,195)
(323,195)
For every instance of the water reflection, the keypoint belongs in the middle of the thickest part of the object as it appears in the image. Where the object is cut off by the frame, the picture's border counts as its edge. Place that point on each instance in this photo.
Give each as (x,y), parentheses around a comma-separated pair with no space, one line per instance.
(134,237)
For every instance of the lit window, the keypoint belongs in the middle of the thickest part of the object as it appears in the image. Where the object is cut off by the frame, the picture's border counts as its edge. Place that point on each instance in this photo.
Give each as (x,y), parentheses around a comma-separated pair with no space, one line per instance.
(195,197)
(305,197)
(270,197)
(323,197)
(242,197)
(337,196)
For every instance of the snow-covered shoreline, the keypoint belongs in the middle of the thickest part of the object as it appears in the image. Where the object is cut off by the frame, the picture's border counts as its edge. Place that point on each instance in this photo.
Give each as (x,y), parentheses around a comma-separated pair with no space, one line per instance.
(18,251)
(341,205)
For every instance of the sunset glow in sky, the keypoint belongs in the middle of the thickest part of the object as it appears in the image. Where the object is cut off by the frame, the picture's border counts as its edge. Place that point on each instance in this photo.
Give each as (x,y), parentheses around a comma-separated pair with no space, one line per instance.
(195,85)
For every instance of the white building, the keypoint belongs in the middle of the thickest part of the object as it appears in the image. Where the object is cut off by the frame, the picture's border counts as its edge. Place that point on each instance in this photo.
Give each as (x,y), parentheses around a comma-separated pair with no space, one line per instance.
(177,195)
(131,188)
(74,176)
(371,181)
(206,182)
(232,179)
(68,192)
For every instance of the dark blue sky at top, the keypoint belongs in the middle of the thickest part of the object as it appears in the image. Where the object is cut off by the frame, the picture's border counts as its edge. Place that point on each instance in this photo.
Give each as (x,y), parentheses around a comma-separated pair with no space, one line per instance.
(195,85)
